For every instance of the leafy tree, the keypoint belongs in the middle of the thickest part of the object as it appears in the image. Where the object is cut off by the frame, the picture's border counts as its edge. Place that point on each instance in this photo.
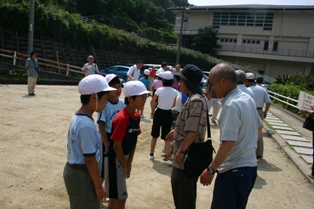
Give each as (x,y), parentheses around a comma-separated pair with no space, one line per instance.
(205,41)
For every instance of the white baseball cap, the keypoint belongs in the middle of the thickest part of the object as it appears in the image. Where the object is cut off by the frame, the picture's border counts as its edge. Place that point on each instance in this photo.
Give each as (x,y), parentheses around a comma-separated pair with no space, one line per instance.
(250,76)
(93,84)
(111,76)
(146,72)
(134,88)
(167,75)
(160,74)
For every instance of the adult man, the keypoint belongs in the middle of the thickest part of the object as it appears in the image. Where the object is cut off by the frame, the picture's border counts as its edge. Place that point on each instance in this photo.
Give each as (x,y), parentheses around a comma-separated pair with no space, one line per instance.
(260,81)
(241,77)
(31,67)
(239,130)
(260,97)
(90,67)
(163,67)
(177,68)
(135,70)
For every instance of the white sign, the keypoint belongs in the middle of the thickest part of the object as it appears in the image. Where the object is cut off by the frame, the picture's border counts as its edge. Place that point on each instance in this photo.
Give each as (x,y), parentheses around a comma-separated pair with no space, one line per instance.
(306,101)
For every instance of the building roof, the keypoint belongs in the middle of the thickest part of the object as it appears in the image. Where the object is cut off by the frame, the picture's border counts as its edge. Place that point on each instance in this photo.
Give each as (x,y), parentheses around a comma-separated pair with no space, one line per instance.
(248,7)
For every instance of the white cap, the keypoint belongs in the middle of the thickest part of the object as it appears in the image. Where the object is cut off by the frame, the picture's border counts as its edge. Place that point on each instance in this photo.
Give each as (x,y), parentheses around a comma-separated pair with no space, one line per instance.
(111,76)
(134,88)
(146,72)
(160,73)
(167,75)
(250,76)
(93,84)
(90,57)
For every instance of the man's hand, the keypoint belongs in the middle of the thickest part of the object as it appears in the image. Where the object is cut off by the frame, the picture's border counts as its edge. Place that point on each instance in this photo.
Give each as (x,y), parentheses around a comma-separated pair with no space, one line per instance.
(179,158)
(101,193)
(206,178)
(265,115)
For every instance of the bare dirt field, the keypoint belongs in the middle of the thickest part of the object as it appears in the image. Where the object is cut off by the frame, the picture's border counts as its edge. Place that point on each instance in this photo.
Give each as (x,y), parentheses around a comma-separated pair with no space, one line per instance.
(33,153)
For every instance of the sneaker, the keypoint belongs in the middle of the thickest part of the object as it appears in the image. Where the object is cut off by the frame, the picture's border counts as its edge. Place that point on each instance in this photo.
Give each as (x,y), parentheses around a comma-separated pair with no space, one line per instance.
(142,116)
(169,162)
(151,157)
(210,115)
(214,122)
(163,150)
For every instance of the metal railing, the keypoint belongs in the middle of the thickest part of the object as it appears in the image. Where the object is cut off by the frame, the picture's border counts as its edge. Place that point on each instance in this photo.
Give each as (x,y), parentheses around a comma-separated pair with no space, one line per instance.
(283,99)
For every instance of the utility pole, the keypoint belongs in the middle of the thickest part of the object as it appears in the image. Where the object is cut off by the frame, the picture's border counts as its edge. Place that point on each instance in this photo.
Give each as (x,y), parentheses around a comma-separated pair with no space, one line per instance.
(180,37)
(31,26)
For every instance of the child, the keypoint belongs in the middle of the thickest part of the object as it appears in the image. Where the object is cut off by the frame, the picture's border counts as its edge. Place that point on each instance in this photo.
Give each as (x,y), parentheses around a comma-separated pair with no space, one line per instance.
(163,116)
(146,82)
(190,128)
(156,84)
(114,105)
(125,129)
(81,176)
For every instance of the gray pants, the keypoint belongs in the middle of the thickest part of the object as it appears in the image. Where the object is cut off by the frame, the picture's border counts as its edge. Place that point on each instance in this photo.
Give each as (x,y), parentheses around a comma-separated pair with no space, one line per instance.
(183,189)
(260,142)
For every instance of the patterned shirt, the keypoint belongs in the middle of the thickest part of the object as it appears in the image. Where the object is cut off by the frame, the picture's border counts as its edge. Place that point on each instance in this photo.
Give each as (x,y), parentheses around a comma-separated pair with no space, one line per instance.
(192,118)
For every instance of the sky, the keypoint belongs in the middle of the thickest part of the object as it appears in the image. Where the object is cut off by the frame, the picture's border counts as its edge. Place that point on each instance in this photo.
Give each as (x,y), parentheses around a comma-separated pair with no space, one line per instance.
(233,2)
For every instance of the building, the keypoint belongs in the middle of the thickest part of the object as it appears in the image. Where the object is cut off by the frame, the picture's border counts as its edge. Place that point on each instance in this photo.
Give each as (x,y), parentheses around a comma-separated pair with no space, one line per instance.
(270,39)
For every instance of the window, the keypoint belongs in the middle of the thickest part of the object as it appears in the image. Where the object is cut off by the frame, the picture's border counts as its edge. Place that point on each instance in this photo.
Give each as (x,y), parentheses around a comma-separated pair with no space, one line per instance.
(249,41)
(266,45)
(275,48)
(256,19)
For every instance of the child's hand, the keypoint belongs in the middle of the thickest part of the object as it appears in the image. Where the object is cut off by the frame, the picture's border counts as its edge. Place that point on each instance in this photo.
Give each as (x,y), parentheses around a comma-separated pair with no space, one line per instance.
(129,171)
(126,171)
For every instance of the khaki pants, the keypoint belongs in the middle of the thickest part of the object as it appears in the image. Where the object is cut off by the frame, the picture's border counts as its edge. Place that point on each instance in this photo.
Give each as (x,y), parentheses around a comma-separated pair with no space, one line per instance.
(260,142)
(31,81)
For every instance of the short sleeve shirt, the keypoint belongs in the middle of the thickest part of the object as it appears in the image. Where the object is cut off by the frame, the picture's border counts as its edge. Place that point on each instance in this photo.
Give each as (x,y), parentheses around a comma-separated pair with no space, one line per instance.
(239,122)
(166,97)
(109,113)
(83,139)
(145,81)
(157,84)
(32,64)
(92,69)
(260,95)
(192,118)
(134,72)
(125,129)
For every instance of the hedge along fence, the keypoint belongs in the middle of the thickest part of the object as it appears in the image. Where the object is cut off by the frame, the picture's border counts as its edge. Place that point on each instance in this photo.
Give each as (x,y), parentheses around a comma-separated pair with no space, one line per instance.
(53,22)
(290,91)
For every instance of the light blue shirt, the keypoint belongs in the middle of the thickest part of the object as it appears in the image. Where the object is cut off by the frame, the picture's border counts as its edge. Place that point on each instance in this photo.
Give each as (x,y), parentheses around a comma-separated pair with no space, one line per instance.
(260,95)
(239,122)
(109,113)
(145,81)
(32,64)
(243,88)
(83,139)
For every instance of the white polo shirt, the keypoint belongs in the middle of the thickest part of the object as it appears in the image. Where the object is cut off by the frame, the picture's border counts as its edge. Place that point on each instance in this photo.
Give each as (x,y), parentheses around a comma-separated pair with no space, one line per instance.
(134,72)
(243,88)
(239,122)
(166,97)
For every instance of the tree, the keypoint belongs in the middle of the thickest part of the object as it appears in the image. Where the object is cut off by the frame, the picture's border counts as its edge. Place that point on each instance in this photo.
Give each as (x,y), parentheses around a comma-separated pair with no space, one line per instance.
(205,41)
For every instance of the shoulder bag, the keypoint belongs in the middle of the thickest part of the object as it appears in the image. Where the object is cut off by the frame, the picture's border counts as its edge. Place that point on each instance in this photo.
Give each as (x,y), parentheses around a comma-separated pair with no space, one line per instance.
(309,123)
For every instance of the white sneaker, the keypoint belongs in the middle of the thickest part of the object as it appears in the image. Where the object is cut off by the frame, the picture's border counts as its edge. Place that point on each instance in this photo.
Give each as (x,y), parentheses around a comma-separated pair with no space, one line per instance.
(169,162)
(151,157)
(163,150)
(142,116)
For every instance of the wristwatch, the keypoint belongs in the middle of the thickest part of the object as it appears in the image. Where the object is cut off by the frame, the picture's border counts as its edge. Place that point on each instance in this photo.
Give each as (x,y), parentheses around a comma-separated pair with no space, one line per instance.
(211,170)
(180,150)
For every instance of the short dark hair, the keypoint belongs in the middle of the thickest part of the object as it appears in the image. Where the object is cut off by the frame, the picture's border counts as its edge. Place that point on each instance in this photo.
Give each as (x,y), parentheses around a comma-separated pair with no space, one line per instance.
(32,53)
(167,82)
(85,98)
(114,81)
(145,76)
(126,101)
(259,79)
(139,61)
(163,64)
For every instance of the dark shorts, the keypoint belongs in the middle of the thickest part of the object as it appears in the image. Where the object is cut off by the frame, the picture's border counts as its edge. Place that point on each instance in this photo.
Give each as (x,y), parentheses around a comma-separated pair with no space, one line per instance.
(163,119)
(80,187)
(233,187)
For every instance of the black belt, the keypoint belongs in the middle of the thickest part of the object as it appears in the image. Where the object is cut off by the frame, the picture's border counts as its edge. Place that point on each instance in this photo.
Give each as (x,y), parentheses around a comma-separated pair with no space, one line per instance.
(81,167)
(259,108)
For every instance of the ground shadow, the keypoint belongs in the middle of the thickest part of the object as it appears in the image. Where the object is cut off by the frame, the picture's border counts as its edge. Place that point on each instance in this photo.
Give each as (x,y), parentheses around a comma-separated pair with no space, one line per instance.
(146,120)
(27,96)
(263,165)
(162,167)
(259,183)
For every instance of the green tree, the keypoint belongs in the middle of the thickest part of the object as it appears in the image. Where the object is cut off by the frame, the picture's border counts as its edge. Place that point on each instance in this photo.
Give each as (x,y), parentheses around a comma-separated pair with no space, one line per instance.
(205,41)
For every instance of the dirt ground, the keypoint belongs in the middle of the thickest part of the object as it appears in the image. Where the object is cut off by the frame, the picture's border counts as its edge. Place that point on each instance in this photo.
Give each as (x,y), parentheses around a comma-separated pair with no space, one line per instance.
(33,154)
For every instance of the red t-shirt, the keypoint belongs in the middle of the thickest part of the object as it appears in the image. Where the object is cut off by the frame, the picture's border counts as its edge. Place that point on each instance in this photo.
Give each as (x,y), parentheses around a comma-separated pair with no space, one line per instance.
(152,73)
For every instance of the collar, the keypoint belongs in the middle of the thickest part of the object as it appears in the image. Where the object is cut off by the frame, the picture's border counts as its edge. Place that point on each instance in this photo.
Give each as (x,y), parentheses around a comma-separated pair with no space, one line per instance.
(234,91)
(82,114)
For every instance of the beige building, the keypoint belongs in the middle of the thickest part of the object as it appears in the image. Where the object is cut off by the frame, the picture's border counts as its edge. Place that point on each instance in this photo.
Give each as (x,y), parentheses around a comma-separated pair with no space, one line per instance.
(271,39)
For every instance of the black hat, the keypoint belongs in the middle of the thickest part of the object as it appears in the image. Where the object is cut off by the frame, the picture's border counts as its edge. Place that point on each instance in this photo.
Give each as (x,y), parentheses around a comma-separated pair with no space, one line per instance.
(259,79)
(192,77)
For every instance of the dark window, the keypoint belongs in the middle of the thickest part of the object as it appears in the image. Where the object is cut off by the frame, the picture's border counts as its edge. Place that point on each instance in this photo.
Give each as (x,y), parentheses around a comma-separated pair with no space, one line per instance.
(266,45)
(275,48)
